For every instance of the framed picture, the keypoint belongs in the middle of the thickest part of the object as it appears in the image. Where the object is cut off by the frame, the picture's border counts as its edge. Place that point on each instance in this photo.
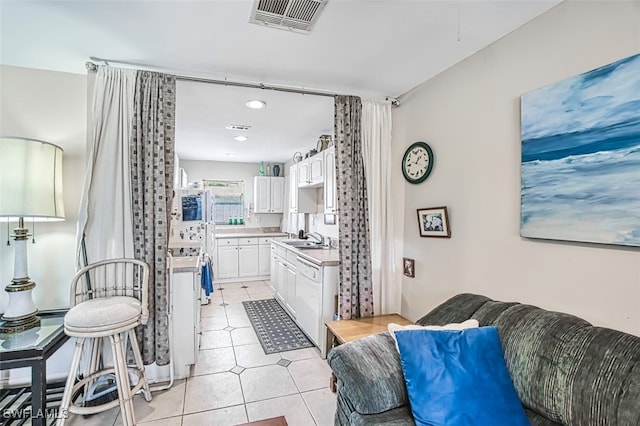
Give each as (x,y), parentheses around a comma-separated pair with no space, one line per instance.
(581,157)
(434,222)
(409,267)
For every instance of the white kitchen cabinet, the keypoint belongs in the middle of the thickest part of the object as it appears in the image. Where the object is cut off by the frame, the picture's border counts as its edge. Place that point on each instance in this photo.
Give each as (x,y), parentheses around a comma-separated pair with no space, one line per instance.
(301,200)
(316,170)
(330,193)
(268,194)
(248,261)
(306,288)
(311,171)
(273,278)
(283,277)
(290,293)
(303,173)
(242,257)
(293,188)
(227,261)
(185,302)
(277,194)
(264,256)
(280,276)
(330,278)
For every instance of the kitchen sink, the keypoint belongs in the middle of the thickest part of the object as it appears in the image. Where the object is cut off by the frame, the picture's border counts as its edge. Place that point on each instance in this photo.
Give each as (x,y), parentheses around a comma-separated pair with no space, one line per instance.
(304,244)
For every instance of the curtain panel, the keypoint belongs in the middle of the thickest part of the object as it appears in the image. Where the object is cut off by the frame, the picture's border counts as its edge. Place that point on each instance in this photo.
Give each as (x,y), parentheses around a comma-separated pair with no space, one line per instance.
(152,167)
(105,212)
(355,292)
(376,151)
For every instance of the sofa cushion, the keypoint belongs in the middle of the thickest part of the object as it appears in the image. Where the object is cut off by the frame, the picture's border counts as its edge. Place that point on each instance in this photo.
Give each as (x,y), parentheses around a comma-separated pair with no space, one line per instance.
(454,377)
(568,371)
(457,309)
(393,327)
(537,420)
(396,417)
(490,311)
(369,374)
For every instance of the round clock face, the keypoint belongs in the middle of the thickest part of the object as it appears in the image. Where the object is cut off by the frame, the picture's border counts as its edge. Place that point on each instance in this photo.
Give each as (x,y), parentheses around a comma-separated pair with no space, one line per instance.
(417,162)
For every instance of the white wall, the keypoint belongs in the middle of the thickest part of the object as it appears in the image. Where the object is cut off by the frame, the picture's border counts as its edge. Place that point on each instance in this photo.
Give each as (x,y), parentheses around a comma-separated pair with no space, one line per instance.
(49,106)
(470,117)
(198,170)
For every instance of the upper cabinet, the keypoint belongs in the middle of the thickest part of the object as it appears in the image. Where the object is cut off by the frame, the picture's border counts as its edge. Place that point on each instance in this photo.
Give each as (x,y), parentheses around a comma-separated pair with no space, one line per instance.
(303,173)
(311,171)
(293,188)
(330,193)
(268,193)
(301,199)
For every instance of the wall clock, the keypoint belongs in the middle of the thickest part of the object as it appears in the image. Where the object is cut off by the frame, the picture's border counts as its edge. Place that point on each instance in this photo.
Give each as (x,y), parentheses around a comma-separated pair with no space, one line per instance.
(417,162)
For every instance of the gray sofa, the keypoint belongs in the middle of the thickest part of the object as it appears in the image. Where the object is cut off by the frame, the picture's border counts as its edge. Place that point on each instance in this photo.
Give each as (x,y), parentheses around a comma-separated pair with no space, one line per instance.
(565,370)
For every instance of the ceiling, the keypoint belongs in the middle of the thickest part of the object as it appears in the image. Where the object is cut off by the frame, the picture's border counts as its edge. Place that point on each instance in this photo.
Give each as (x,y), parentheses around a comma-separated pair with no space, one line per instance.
(369,48)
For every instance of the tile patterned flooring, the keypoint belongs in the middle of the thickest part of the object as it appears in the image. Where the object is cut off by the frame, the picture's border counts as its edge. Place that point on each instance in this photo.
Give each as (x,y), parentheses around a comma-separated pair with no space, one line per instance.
(233,380)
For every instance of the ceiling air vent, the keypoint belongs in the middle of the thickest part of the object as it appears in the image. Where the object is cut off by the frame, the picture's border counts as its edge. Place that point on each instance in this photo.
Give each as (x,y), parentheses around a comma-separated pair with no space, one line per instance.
(242,127)
(292,15)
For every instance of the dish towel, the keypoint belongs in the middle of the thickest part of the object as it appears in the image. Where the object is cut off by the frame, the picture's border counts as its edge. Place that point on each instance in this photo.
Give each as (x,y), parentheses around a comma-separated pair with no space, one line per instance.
(206,279)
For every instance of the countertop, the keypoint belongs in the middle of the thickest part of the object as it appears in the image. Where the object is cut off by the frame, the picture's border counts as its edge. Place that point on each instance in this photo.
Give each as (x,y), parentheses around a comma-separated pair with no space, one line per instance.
(186,263)
(249,234)
(321,257)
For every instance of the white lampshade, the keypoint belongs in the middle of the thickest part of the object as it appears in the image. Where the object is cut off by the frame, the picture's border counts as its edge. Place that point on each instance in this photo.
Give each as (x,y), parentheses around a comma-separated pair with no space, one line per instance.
(30,179)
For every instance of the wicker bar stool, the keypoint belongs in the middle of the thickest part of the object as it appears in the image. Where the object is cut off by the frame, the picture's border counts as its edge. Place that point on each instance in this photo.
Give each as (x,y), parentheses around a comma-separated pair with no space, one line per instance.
(108,299)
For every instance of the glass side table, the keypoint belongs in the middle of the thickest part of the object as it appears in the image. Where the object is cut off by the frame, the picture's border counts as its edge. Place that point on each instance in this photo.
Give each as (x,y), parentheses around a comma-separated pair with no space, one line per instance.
(32,348)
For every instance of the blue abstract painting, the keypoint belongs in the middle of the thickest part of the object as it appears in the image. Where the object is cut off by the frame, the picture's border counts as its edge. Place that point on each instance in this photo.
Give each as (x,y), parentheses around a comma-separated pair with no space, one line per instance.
(581,157)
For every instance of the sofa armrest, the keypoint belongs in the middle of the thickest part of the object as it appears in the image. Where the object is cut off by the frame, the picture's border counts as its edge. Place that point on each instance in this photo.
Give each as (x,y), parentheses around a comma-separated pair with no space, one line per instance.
(369,374)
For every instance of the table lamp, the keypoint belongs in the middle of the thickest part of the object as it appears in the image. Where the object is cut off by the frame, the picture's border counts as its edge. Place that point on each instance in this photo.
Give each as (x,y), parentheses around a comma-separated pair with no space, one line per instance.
(30,187)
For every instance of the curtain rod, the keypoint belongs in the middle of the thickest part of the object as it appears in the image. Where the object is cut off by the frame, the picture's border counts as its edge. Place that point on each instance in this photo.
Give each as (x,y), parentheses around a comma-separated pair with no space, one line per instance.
(91,66)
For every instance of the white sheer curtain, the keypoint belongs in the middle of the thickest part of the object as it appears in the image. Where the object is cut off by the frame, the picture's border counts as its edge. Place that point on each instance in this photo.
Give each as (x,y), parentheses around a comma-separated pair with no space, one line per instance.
(376,150)
(105,215)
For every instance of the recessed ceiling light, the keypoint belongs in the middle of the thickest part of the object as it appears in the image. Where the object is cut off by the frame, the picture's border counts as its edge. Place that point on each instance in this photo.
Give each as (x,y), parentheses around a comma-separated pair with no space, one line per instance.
(255,104)
(230,154)
(241,138)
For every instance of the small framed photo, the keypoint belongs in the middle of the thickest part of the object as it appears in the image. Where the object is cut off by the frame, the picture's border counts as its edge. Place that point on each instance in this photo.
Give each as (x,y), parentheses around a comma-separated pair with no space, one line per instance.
(409,267)
(434,222)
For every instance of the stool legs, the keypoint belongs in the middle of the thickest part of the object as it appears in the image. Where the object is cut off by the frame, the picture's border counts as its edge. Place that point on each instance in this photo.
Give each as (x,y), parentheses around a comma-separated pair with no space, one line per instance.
(63,412)
(138,357)
(120,369)
(122,377)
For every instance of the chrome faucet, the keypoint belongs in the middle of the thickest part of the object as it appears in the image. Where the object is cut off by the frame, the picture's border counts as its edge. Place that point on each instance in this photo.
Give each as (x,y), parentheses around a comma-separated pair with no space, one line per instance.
(319,239)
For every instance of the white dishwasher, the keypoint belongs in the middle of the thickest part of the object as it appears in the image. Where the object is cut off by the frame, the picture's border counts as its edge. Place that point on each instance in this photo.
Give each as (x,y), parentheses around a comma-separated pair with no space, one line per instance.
(309,299)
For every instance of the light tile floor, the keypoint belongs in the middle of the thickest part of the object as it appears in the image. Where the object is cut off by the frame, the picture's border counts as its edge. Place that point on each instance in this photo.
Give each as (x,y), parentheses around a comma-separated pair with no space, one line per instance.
(233,380)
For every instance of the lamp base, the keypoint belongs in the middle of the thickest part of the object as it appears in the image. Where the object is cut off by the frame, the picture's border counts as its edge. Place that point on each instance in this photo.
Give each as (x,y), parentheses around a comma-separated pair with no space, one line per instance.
(19,325)
(21,311)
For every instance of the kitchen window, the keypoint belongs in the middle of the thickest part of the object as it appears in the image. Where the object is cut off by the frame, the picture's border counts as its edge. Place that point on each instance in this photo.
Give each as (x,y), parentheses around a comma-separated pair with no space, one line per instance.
(227,199)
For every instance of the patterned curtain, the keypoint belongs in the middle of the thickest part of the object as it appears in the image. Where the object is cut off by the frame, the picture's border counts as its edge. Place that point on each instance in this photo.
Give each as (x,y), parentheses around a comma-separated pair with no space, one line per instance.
(152,158)
(356,295)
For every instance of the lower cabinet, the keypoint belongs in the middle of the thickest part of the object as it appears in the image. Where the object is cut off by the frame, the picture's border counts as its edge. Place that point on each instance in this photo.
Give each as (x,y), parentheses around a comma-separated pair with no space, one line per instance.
(227,264)
(185,302)
(290,292)
(264,256)
(283,277)
(273,279)
(307,290)
(247,258)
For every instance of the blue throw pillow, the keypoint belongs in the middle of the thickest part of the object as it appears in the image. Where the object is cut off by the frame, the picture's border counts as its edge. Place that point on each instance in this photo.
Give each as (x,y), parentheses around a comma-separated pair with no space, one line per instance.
(458,378)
